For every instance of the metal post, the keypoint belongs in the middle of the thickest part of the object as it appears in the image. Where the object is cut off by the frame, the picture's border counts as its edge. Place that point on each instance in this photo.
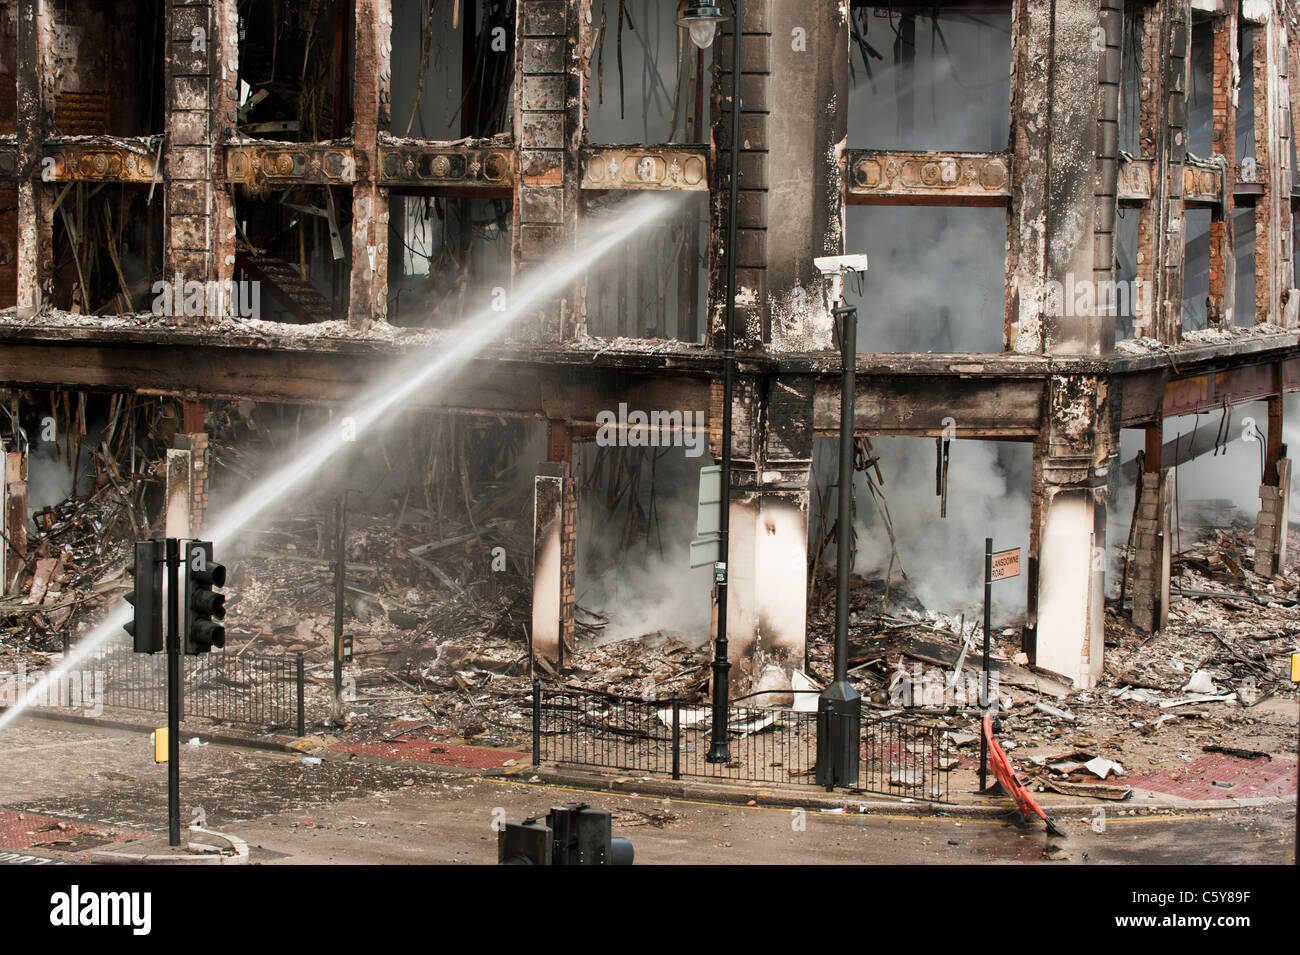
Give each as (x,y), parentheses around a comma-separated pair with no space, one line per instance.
(340,578)
(677,735)
(302,715)
(173,559)
(839,710)
(537,722)
(719,746)
(67,643)
(984,678)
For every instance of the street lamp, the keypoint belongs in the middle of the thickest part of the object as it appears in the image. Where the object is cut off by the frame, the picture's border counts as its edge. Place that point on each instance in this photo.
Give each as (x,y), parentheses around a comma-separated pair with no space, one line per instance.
(839,709)
(701,20)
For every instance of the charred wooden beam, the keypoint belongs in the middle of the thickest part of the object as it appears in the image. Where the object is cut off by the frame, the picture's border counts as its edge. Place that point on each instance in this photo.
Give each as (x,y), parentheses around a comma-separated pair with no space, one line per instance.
(102,159)
(881,177)
(264,165)
(476,167)
(671,168)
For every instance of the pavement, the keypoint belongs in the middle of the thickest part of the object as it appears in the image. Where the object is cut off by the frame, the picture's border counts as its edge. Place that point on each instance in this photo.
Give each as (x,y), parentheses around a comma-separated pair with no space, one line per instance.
(71,789)
(351,808)
(1206,783)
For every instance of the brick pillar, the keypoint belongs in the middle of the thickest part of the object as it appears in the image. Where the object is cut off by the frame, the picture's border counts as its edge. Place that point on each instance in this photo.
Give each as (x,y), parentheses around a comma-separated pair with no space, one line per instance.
(368,284)
(1152,551)
(201,80)
(200,473)
(13,515)
(1271,525)
(1273,253)
(551,82)
(1223,263)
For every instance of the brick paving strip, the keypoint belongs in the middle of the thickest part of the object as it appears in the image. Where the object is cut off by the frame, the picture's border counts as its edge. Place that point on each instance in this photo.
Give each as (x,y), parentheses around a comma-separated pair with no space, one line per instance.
(1242,779)
(30,831)
(424,745)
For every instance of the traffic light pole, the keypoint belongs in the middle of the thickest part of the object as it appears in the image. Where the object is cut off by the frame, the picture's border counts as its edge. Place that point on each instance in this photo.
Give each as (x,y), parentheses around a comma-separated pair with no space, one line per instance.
(340,582)
(173,693)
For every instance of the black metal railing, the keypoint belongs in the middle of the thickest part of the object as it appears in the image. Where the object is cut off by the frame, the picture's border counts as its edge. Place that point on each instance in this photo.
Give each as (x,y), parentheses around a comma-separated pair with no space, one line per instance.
(903,757)
(264,690)
(768,744)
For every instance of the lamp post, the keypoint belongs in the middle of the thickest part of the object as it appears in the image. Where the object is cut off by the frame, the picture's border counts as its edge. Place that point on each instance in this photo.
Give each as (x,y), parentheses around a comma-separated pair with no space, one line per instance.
(702,20)
(839,708)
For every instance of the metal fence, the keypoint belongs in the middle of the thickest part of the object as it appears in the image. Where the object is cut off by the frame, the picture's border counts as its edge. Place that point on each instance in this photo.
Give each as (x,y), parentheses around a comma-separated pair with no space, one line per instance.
(905,758)
(767,744)
(262,690)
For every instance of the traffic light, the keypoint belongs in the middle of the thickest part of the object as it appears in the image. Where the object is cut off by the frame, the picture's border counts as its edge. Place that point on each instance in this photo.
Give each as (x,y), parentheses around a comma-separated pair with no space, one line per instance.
(572,835)
(146,626)
(524,843)
(202,604)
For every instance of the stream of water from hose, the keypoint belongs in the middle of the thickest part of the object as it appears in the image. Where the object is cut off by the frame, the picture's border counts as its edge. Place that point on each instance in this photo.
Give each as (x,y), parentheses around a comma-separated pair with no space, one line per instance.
(422,373)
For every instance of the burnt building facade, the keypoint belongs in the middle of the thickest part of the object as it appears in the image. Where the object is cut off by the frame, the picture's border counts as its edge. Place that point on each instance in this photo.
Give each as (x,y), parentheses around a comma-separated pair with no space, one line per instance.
(1135,185)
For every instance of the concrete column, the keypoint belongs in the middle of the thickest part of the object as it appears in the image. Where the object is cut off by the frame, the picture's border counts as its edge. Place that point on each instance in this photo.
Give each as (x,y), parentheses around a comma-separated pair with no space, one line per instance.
(767,556)
(35,252)
(767,563)
(555,535)
(1061,218)
(1073,458)
(176,520)
(13,515)
(1152,544)
(368,284)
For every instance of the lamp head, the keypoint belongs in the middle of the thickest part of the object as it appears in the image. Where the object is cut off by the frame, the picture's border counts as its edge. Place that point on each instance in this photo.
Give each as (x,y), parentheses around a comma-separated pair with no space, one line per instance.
(701,21)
